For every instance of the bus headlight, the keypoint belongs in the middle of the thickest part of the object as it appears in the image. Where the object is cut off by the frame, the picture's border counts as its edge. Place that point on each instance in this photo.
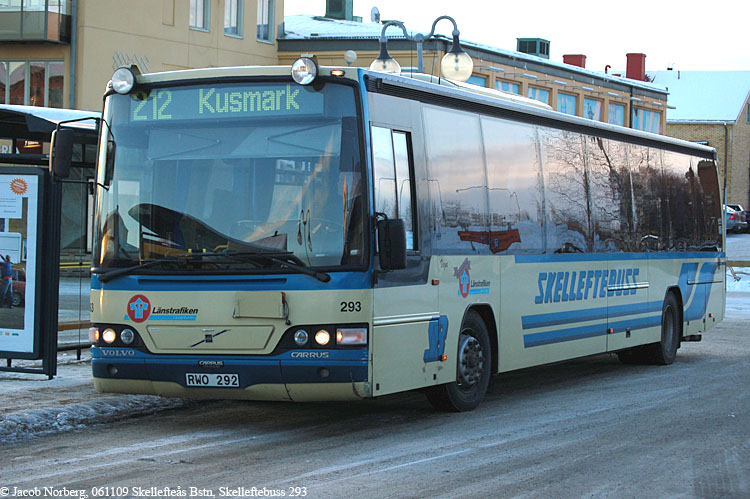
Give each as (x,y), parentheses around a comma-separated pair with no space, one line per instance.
(301,337)
(304,70)
(109,335)
(93,334)
(127,336)
(351,336)
(322,337)
(123,80)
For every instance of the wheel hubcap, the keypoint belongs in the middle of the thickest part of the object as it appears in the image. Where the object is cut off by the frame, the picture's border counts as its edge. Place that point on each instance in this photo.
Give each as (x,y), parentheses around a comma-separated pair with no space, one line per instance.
(470,361)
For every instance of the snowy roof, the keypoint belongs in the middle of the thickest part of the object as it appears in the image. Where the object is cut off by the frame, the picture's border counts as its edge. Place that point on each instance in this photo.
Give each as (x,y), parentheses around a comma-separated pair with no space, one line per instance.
(704,95)
(307,27)
(304,27)
(37,123)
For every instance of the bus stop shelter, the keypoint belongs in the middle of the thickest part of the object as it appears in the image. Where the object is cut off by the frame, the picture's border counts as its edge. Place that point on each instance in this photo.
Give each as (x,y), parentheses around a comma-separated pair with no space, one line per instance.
(25,134)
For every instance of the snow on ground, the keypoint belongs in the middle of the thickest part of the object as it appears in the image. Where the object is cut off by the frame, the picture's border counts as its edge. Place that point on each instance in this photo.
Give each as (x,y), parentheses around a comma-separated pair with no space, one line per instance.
(33,405)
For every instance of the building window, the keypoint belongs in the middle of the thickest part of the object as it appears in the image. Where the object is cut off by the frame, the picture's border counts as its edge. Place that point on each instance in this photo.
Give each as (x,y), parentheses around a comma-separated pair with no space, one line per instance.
(747,114)
(233,17)
(616,114)
(199,14)
(648,121)
(3,80)
(540,94)
(480,81)
(265,20)
(508,86)
(32,83)
(567,103)
(592,109)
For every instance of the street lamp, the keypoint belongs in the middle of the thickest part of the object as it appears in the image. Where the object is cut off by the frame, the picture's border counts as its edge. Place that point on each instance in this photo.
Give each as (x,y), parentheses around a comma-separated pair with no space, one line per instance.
(455,65)
(385,63)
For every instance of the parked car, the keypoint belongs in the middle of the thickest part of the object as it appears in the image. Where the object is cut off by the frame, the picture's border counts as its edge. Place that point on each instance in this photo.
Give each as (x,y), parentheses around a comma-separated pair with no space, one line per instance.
(744,217)
(735,220)
(19,287)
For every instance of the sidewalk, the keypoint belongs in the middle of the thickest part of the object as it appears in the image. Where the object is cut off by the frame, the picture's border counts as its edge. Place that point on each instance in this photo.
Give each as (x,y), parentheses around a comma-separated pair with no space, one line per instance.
(33,405)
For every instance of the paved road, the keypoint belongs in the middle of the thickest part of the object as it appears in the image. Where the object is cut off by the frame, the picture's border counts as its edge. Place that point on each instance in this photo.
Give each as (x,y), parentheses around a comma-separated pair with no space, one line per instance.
(590,427)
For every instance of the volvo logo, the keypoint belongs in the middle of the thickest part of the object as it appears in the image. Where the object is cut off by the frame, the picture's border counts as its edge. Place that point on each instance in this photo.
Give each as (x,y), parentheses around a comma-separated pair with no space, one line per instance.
(112,352)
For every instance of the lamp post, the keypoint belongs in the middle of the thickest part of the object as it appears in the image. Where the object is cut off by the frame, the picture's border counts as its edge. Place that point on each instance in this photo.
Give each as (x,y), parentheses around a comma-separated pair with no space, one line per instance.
(455,65)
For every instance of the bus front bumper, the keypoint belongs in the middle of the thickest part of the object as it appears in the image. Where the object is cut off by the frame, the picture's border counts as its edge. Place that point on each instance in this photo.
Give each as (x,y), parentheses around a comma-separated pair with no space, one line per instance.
(331,375)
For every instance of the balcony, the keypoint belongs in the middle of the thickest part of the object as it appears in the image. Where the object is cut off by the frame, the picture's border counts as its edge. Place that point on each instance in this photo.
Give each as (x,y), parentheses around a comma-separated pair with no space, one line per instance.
(35,21)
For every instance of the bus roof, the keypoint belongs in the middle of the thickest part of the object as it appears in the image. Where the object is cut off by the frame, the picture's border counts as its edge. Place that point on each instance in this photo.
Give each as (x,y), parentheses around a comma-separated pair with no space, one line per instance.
(432,89)
(521,110)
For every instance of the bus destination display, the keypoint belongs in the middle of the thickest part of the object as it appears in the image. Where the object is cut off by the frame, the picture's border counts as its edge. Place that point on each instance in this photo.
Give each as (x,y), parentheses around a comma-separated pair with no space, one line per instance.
(223,101)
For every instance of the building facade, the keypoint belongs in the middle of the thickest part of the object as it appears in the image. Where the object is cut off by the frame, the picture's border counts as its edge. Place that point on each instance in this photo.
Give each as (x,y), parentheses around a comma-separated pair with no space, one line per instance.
(627,100)
(61,53)
(713,108)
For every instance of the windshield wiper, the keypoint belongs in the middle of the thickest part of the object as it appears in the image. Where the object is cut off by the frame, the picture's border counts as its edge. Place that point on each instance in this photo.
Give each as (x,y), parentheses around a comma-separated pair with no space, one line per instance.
(276,257)
(108,276)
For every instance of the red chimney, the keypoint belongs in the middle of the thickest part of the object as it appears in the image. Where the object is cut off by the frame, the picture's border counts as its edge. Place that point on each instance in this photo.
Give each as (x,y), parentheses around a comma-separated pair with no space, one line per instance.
(636,67)
(575,60)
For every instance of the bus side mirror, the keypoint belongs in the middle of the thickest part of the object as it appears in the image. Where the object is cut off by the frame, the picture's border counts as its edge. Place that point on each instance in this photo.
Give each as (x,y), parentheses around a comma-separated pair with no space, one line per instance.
(392,244)
(61,155)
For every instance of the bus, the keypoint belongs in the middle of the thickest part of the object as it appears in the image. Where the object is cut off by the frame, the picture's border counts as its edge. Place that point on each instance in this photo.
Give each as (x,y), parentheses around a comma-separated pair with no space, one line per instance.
(334,233)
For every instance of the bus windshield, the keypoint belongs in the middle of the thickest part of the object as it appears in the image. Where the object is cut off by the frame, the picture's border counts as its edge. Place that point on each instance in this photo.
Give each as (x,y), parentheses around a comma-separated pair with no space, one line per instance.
(228,169)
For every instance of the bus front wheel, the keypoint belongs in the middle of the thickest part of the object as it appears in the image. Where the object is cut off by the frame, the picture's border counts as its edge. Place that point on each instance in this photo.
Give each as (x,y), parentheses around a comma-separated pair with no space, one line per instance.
(473,369)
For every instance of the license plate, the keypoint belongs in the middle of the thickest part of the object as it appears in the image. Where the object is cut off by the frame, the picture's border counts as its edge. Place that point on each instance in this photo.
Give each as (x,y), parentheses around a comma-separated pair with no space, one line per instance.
(212,380)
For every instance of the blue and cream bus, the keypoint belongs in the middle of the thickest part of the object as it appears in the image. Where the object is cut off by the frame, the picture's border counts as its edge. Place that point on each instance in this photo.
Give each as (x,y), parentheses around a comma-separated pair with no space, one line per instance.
(340,234)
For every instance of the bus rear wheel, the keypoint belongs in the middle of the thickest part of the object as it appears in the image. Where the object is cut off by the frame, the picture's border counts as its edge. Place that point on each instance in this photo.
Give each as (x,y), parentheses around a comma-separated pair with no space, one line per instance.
(665,351)
(473,369)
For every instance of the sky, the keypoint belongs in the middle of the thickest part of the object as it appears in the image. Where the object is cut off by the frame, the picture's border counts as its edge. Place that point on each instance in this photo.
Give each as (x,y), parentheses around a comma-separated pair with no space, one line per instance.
(670,33)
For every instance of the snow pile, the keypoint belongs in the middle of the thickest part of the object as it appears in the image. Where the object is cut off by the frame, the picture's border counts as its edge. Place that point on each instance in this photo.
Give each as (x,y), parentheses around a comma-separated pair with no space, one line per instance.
(18,426)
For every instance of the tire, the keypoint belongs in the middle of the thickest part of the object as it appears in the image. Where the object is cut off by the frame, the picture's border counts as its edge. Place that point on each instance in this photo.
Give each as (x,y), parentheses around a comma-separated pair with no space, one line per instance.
(17,300)
(473,369)
(665,351)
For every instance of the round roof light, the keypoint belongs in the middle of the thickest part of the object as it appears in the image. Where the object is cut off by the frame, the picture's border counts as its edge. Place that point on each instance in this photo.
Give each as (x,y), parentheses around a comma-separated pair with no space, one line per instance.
(304,70)
(123,80)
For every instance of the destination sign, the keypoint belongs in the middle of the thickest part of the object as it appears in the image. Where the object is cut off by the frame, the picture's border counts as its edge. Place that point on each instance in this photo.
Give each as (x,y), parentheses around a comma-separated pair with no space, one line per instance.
(224,101)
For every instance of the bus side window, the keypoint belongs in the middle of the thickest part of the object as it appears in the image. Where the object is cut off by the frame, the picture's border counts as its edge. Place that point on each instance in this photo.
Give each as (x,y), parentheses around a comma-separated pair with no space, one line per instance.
(393,172)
